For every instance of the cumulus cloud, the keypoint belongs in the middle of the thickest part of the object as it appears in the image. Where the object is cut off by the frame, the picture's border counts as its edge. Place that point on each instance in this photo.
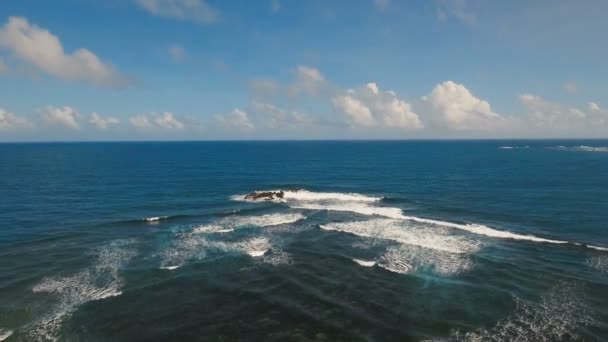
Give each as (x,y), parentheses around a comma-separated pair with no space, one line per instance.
(169,121)
(456,107)
(101,122)
(235,120)
(176,52)
(196,11)
(42,49)
(165,120)
(308,81)
(369,106)
(280,118)
(457,9)
(11,121)
(552,116)
(61,116)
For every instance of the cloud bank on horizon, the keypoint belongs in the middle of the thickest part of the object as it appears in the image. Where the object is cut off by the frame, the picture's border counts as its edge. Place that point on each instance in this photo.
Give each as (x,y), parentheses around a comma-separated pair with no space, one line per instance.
(363,84)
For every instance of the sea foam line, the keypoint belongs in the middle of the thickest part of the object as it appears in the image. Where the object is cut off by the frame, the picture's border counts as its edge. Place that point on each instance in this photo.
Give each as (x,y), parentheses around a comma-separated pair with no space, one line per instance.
(228,224)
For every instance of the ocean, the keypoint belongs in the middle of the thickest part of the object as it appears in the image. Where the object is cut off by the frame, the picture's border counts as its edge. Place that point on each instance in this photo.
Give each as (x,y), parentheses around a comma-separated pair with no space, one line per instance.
(372,241)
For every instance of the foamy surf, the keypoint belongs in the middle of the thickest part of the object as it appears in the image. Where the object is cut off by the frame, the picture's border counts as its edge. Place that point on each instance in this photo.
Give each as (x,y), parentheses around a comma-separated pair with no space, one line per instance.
(98,282)
(169,268)
(399,231)
(561,311)
(231,223)
(365,263)
(4,334)
(155,218)
(305,195)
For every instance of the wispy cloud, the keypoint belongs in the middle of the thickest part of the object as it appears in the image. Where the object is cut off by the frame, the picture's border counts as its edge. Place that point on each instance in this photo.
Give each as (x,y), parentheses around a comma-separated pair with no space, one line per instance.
(196,11)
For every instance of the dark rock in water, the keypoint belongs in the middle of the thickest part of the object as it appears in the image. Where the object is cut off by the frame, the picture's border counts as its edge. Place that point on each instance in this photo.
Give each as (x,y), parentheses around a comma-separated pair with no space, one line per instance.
(266,195)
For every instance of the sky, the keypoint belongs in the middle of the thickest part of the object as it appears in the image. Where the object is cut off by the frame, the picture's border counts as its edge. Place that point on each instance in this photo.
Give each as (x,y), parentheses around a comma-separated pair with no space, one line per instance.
(87,70)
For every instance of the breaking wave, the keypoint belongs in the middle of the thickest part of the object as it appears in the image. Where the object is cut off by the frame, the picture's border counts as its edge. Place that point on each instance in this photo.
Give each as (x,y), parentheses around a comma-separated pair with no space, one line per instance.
(189,246)
(230,223)
(155,218)
(100,281)
(561,311)
(358,208)
(401,232)
(4,334)
(581,148)
(305,195)
(419,247)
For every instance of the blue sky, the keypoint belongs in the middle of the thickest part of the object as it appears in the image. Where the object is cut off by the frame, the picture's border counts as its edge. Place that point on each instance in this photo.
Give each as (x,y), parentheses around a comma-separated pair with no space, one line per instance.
(288,69)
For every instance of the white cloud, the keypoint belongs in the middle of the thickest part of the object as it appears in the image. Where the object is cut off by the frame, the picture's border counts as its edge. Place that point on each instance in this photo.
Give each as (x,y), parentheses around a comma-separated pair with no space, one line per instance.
(457,108)
(11,121)
(165,120)
(235,120)
(44,50)
(551,116)
(275,6)
(456,9)
(176,52)
(280,118)
(197,11)
(169,121)
(593,106)
(140,122)
(101,122)
(370,106)
(61,116)
(381,4)
(308,81)
(570,87)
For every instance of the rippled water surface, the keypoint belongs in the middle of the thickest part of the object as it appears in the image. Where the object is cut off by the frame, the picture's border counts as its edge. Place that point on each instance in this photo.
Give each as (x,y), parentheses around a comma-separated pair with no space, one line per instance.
(380,241)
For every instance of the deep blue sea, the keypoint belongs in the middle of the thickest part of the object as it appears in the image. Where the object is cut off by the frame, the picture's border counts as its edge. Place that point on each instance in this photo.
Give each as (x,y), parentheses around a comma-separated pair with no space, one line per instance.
(374,241)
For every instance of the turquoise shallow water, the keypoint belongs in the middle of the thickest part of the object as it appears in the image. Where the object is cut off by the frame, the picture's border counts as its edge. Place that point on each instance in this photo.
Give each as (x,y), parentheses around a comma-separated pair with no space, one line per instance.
(424,240)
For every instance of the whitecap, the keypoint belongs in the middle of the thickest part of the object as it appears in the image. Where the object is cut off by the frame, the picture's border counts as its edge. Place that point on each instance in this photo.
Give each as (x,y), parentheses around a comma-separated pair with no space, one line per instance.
(599,263)
(228,224)
(398,231)
(277,257)
(359,208)
(561,311)
(255,247)
(365,263)
(4,334)
(506,147)
(305,195)
(155,218)
(98,282)
(169,268)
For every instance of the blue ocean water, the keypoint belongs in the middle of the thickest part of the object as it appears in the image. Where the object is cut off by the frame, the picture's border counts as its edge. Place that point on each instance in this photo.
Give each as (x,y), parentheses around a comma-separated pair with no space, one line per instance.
(383,241)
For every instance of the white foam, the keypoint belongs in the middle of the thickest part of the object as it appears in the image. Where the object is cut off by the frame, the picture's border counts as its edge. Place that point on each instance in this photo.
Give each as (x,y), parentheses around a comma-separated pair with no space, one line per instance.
(255,247)
(170,268)
(599,263)
(155,218)
(581,148)
(398,231)
(365,263)
(305,195)
(4,334)
(506,147)
(484,230)
(561,311)
(277,257)
(359,208)
(598,248)
(394,261)
(98,282)
(228,224)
